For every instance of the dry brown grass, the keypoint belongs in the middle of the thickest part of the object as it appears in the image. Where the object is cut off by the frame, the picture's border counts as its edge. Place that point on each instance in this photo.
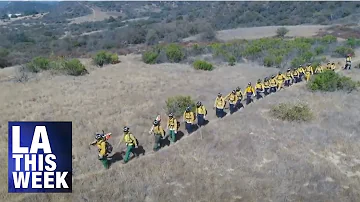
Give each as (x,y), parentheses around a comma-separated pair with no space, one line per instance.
(244,157)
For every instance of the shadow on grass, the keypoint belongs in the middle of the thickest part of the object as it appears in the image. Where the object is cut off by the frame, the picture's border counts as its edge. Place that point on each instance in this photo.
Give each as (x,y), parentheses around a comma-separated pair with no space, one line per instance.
(119,156)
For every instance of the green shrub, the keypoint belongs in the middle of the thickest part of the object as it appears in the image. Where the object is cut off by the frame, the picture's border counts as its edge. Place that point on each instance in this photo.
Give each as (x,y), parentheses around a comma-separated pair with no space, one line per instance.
(281,32)
(292,112)
(331,81)
(328,39)
(114,58)
(178,104)
(352,42)
(150,57)
(203,65)
(70,67)
(74,67)
(38,64)
(319,50)
(174,53)
(103,58)
(231,60)
(342,51)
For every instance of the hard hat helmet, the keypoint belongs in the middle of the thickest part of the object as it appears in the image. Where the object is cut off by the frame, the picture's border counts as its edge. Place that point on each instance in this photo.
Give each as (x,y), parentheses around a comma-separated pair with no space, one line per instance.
(234,91)
(249,84)
(156,123)
(238,88)
(98,136)
(126,129)
(198,104)
(219,94)
(187,108)
(171,115)
(300,65)
(288,69)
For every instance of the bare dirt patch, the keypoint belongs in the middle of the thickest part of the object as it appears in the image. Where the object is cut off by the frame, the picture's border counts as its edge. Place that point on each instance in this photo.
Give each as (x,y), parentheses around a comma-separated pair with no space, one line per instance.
(97,15)
(266,31)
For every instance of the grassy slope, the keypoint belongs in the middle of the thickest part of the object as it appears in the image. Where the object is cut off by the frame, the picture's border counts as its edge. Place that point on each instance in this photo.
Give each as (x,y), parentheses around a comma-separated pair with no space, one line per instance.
(245,157)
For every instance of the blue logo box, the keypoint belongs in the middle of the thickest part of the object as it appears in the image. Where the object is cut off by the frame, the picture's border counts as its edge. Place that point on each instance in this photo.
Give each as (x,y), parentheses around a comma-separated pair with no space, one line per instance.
(40,157)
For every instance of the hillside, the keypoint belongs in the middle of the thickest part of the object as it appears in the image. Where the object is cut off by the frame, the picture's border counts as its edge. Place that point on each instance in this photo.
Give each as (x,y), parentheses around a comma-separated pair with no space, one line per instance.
(245,157)
(248,156)
(77,29)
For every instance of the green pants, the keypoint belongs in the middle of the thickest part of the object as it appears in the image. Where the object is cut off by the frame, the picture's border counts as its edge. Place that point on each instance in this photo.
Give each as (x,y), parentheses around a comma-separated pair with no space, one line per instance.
(172,135)
(129,149)
(105,162)
(157,138)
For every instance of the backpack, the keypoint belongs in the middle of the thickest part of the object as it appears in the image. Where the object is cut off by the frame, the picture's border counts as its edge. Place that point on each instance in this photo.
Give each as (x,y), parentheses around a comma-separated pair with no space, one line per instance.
(108,147)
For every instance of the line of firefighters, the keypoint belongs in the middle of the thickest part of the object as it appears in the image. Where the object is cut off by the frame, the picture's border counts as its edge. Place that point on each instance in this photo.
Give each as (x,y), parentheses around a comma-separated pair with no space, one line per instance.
(265,87)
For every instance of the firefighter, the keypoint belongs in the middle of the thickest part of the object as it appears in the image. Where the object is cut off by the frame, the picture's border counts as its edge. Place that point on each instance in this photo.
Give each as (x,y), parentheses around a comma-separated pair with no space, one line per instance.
(249,92)
(328,66)
(131,144)
(296,76)
(158,133)
(266,86)
(172,127)
(219,105)
(100,142)
(273,84)
(259,88)
(201,113)
(189,119)
(280,78)
(301,72)
(333,66)
(308,72)
(348,62)
(240,96)
(232,97)
(319,69)
(288,77)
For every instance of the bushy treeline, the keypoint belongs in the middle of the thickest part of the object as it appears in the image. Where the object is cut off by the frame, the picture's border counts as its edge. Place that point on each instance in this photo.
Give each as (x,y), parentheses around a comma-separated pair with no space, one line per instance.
(271,52)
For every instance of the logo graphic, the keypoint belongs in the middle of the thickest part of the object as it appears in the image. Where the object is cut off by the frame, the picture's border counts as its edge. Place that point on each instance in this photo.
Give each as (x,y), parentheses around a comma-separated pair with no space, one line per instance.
(40,157)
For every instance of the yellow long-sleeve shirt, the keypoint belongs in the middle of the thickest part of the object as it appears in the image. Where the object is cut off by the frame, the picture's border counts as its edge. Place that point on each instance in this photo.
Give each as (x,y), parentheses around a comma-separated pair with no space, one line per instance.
(309,69)
(189,117)
(333,67)
(129,139)
(201,110)
(219,102)
(348,59)
(288,76)
(101,144)
(232,98)
(295,73)
(273,82)
(319,69)
(266,84)
(172,124)
(240,95)
(259,86)
(158,130)
(280,77)
(301,70)
(249,89)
